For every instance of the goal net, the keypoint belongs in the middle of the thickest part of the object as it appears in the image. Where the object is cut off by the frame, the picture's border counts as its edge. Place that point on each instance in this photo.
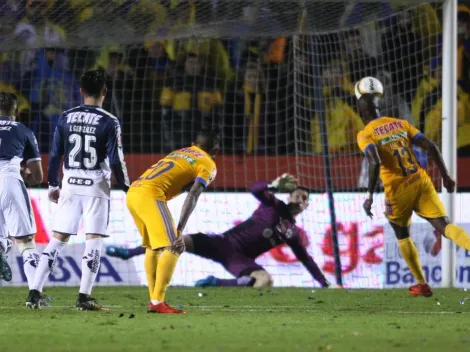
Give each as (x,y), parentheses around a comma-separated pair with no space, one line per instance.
(275,77)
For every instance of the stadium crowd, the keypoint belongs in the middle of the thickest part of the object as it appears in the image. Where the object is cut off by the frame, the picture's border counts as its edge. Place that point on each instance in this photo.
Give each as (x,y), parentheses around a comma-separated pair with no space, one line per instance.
(260,93)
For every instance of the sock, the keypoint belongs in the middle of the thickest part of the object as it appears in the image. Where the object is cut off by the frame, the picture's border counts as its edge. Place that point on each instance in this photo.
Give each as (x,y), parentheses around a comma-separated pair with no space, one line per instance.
(90,264)
(410,254)
(150,264)
(458,235)
(241,281)
(30,263)
(136,251)
(165,268)
(46,262)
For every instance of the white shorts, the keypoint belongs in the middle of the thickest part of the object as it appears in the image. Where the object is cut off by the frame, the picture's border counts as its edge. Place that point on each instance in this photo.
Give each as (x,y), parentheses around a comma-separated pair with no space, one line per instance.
(94,212)
(16,212)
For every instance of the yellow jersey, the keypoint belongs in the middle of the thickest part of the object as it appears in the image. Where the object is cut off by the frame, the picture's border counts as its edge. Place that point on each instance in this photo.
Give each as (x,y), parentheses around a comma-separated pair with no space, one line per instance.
(393,138)
(175,173)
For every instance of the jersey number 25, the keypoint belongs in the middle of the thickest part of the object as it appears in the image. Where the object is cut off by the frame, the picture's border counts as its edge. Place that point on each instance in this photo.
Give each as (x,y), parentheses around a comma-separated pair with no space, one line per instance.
(82,145)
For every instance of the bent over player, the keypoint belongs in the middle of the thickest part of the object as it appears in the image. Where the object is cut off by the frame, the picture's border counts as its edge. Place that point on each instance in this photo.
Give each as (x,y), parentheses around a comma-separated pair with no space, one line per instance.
(17,144)
(192,168)
(387,143)
(90,140)
(270,225)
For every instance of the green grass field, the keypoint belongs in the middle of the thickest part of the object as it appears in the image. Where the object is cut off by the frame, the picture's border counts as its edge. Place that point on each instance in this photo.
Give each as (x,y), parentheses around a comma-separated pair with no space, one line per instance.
(240,320)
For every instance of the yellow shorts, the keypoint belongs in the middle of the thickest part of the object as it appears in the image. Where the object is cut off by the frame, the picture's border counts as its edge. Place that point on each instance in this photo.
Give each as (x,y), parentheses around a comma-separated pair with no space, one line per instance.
(153,220)
(416,194)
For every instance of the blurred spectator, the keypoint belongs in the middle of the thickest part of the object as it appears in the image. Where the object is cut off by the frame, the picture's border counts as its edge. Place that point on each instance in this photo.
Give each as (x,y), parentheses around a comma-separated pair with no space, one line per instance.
(10,69)
(427,109)
(402,55)
(360,63)
(343,123)
(37,31)
(246,114)
(102,22)
(463,49)
(190,101)
(53,91)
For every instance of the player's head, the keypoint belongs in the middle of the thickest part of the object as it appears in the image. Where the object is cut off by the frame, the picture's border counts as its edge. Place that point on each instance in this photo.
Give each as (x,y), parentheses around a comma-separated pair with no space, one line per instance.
(8,104)
(209,141)
(93,85)
(368,106)
(298,200)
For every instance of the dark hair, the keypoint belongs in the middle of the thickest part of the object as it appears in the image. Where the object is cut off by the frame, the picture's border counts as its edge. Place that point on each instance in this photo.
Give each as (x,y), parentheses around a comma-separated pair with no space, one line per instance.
(8,103)
(208,139)
(93,83)
(302,188)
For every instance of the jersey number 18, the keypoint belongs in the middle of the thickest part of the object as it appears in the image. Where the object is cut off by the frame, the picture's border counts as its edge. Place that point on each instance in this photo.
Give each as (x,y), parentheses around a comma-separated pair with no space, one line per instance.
(405,161)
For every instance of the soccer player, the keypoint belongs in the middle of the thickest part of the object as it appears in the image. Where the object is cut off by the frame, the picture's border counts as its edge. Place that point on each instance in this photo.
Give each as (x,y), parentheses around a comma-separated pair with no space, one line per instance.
(270,225)
(387,143)
(17,144)
(89,138)
(192,167)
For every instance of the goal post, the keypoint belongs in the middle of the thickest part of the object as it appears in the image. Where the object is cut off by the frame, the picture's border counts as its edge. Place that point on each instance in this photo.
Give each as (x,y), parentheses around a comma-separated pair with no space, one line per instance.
(449,129)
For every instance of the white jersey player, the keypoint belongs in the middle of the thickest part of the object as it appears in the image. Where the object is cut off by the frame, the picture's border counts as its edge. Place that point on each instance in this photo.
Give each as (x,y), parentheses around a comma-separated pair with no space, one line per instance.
(89,138)
(17,144)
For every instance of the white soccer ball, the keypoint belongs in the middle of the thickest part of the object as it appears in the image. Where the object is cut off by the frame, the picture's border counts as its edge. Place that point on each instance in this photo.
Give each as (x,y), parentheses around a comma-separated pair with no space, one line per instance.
(369,85)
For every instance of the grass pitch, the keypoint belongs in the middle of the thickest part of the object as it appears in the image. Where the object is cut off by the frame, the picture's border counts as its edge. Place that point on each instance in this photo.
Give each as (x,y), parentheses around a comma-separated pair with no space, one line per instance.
(240,320)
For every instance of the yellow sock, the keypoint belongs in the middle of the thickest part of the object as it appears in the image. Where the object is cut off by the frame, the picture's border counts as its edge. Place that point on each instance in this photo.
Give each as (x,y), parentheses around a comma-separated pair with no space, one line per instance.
(458,235)
(150,263)
(166,267)
(410,254)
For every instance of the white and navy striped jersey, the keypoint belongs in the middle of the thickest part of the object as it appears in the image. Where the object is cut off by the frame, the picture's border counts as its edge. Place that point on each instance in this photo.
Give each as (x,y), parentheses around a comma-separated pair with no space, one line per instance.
(89,138)
(17,143)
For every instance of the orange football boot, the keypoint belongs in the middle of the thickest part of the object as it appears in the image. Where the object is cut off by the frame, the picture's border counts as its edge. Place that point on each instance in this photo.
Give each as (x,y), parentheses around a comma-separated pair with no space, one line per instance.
(163,308)
(420,290)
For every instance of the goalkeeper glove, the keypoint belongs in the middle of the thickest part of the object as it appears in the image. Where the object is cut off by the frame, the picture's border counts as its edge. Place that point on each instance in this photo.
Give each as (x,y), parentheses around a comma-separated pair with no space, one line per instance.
(286,182)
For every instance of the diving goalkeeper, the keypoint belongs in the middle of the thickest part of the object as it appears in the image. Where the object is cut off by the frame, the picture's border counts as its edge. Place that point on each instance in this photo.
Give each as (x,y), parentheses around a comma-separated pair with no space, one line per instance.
(272,224)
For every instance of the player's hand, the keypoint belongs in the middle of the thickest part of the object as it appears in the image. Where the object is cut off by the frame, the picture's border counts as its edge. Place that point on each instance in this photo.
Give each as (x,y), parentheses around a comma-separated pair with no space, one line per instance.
(449,183)
(368,207)
(178,244)
(54,194)
(286,182)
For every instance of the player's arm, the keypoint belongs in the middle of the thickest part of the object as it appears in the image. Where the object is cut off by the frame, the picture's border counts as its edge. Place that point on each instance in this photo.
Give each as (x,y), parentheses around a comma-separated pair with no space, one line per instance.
(190,203)
(368,146)
(301,254)
(32,174)
(116,155)
(433,151)
(261,189)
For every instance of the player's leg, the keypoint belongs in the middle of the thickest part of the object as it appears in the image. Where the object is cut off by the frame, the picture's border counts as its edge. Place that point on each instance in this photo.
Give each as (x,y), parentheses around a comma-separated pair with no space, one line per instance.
(66,221)
(410,253)
(95,221)
(19,220)
(5,246)
(399,210)
(430,207)
(156,226)
(124,252)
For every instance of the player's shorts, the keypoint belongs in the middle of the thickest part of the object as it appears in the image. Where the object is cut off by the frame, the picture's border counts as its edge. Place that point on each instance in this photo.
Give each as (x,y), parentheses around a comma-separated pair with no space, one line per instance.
(93,211)
(220,250)
(416,194)
(16,212)
(153,220)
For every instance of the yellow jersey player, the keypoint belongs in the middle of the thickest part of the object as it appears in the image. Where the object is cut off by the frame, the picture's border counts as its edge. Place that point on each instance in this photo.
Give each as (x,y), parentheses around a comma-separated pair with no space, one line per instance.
(192,167)
(387,143)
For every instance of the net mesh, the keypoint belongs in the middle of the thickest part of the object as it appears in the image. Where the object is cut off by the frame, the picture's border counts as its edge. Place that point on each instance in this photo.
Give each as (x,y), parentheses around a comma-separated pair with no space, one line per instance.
(265,73)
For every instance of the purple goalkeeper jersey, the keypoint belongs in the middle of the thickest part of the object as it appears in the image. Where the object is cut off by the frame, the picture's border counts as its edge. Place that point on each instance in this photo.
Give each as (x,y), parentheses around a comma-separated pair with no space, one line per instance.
(270,225)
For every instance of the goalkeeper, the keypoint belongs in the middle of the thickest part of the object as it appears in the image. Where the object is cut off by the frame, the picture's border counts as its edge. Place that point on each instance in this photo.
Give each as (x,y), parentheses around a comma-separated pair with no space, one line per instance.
(272,224)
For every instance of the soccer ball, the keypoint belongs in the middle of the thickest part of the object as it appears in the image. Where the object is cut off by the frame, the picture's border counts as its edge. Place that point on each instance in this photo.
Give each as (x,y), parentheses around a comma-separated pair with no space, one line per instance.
(369,85)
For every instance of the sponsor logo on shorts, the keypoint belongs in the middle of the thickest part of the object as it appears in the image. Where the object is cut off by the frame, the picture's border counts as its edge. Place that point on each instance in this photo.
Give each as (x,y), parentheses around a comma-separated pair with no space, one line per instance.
(412,180)
(80,181)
